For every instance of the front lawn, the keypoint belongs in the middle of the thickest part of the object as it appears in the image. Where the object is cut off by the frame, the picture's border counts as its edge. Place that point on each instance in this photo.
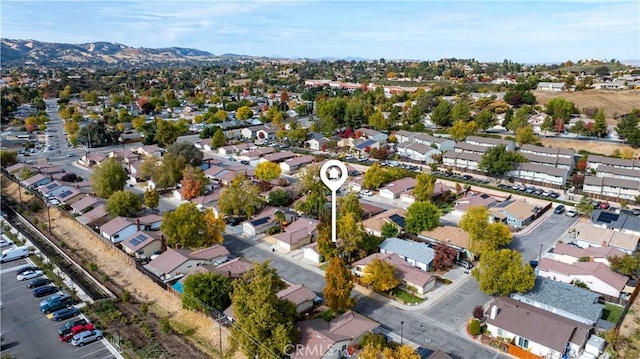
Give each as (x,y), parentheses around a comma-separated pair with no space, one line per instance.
(407,297)
(611,312)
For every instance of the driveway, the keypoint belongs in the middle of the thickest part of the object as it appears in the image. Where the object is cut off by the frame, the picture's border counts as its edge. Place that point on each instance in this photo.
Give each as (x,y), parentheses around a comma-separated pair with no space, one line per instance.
(542,237)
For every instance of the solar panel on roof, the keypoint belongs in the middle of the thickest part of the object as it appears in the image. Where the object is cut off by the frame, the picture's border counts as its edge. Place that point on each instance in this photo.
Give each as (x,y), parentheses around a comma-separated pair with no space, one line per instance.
(53,185)
(397,219)
(260,221)
(484,195)
(138,239)
(65,193)
(608,217)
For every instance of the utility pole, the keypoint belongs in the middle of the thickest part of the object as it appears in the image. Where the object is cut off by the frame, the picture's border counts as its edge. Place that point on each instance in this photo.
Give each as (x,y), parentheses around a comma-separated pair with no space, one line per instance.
(401,332)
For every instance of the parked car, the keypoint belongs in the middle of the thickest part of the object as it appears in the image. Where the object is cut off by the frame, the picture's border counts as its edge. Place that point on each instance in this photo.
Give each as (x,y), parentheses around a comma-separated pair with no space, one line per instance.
(559,209)
(604,205)
(71,154)
(55,302)
(66,313)
(30,274)
(72,323)
(86,337)
(571,213)
(25,269)
(65,333)
(5,242)
(44,291)
(245,162)
(38,282)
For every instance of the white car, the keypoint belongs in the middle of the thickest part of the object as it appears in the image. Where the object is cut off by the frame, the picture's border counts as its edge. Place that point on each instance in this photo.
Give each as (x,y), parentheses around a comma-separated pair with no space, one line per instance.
(54,202)
(30,274)
(5,242)
(86,337)
(571,213)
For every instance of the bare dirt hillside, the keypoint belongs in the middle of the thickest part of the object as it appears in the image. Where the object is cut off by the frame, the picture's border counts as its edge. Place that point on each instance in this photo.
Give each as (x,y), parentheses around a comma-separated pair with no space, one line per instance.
(605,148)
(613,102)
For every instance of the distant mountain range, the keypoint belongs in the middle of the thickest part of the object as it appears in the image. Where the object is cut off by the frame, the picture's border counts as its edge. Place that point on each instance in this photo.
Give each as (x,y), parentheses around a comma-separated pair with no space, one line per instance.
(98,54)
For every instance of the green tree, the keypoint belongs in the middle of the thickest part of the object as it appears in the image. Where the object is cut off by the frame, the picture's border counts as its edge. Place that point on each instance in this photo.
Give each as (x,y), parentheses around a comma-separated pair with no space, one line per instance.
(189,153)
(502,272)
(265,324)
(350,204)
(378,121)
(108,178)
(485,119)
(497,160)
(169,172)
(547,125)
(351,232)
(220,115)
(338,286)
(375,176)
(627,264)
(600,125)
(279,198)
(520,119)
(460,112)
(425,184)
(584,206)
(579,128)
(241,197)
(215,227)
(461,130)
(526,135)
(123,203)
(268,171)
(8,158)
(26,172)
(184,227)
(244,113)
(484,236)
(441,115)
(166,132)
(151,198)
(422,216)
(218,140)
(206,290)
(559,108)
(628,124)
(381,276)
(389,230)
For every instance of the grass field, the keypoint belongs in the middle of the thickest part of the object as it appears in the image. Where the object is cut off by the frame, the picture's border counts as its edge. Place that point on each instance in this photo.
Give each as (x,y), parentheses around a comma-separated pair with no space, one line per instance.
(613,102)
(612,312)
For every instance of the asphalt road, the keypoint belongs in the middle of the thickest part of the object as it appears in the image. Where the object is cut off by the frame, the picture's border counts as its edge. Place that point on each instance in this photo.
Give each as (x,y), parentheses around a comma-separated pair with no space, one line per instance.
(545,234)
(26,332)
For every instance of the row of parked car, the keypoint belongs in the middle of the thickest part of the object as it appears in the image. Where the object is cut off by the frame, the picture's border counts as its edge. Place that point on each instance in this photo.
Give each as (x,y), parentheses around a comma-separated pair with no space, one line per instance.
(468,178)
(400,165)
(531,190)
(58,306)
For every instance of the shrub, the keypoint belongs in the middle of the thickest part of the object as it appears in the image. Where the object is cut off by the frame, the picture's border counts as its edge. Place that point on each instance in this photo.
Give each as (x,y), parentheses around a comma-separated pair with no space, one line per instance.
(144,308)
(93,267)
(126,296)
(474,327)
(478,312)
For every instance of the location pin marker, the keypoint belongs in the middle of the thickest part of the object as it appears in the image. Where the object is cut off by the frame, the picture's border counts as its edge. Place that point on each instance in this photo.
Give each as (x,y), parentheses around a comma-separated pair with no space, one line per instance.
(333,174)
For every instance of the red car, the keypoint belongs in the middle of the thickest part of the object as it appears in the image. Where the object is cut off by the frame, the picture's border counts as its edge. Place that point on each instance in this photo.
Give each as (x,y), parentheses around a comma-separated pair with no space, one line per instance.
(604,205)
(67,334)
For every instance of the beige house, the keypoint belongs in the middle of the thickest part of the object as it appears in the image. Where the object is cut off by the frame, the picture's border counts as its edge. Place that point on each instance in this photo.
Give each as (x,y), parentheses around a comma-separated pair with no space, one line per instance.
(299,233)
(374,224)
(299,295)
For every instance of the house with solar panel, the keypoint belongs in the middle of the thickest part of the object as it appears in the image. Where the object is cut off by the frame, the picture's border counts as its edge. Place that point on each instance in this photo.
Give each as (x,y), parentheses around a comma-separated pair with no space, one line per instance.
(144,244)
(265,220)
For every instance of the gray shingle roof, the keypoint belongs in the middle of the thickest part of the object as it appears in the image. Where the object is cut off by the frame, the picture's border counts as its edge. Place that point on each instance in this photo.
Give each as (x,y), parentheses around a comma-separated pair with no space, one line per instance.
(573,300)
(420,252)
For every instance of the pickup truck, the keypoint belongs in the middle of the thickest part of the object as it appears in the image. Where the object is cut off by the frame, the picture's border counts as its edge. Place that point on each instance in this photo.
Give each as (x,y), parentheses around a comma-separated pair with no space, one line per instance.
(69,329)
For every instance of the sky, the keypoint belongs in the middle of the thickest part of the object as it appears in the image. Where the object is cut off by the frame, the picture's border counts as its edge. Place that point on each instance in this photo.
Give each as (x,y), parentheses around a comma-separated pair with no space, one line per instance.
(521,31)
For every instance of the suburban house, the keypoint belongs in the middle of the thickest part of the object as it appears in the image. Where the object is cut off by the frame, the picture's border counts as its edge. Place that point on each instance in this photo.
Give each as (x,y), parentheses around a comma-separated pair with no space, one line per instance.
(363,147)
(311,253)
(331,340)
(536,330)
(277,157)
(417,151)
(297,234)
(550,86)
(209,200)
(474,199)
(454,237)
(373,225)
(413,279)
(13,169)
(233,149)
(149,222)
(617,172)
(95,217)
(174,263)
(234,268)
(547,151)
(469,148)
(516,214)
(563,299)
(143,244)
(490,142)
(266,219)
(566,163)
(299,295)
(126,156)
(539,173)
(266,131)
(36,181)
(617,187)
(66,194)
(570,254)
(416,254)
(118,229)
(439,143)
(149,150)
(597,235)
(462,160)
(394,189)
(91,159)
(594,162)
(255,154)
(86,204)
(371,134)
(316,144)
(296,163)
(597,276)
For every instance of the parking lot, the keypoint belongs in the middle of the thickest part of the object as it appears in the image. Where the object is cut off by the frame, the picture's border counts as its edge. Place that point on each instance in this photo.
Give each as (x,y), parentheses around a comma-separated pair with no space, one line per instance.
(26,332)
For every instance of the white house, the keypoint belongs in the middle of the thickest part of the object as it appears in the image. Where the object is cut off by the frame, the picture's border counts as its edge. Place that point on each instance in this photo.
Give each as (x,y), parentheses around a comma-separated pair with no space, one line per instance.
(620,173)
(118,229)
(594,161)
(570,253)
(416,254)
(462,160)
(296,163)
(301,232)
(394,189)
(417,151)
(597,276)
(491,142)
(550,86)
(612,186)
(539,173)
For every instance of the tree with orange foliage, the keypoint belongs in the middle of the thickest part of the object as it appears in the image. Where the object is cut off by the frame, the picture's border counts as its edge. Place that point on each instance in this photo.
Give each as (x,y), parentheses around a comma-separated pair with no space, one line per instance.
(194,183)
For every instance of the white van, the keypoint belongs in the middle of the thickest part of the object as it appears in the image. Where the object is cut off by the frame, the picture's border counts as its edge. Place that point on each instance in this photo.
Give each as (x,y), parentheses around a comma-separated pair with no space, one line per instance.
(15,253)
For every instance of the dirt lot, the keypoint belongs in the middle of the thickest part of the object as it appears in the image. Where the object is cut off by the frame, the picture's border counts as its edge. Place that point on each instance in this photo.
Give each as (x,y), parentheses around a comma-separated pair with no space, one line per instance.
(591,146)
(613,102)
(158,333)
